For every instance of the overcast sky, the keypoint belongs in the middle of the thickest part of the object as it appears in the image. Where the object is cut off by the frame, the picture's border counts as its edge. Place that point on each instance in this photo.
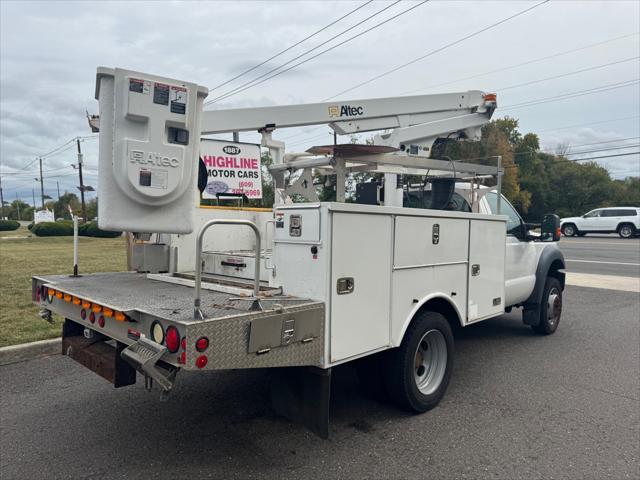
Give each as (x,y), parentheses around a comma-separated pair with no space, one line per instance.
(49,52)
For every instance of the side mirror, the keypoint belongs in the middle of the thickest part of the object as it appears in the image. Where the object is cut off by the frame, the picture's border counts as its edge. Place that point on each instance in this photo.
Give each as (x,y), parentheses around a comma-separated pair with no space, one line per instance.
(550,228)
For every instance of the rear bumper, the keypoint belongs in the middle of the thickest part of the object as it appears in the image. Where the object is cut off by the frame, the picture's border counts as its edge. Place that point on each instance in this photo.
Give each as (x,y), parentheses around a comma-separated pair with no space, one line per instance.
(278,336)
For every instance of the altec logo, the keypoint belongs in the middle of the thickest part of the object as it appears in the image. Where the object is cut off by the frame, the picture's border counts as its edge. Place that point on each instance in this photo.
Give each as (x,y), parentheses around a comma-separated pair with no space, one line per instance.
(152,159)
(345,111)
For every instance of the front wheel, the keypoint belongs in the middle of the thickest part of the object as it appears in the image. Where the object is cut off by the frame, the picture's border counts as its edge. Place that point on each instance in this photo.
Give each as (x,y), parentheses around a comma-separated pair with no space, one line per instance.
(569,230)
(626,231)
(550,307)
(418,371)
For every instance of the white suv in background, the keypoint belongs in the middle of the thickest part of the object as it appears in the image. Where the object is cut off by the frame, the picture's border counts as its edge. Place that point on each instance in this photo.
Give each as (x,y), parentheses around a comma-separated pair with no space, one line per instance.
(625,221)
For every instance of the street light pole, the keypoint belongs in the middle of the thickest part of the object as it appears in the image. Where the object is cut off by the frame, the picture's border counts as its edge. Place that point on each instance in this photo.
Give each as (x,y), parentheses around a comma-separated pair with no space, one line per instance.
(41,183)
(1,200)
(84,208)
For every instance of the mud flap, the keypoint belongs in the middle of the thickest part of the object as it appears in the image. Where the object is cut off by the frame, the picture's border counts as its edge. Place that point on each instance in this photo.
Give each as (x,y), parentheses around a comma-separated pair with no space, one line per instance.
(302,394)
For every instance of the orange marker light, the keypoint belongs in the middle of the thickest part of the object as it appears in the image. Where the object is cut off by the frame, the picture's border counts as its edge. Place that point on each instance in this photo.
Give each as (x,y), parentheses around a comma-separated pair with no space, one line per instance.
(96,308)
(76,301)
(58,294)
(121,317)
(67,297)
(86,304)
(51,292)
(108,312)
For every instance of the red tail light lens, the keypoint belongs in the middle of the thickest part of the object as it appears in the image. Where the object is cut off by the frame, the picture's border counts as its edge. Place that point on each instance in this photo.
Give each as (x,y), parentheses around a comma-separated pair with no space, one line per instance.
(172,339)
(37,294)
(202,343)
(101,321)
(92,317)
(202,361)
(83,314)
(184,343)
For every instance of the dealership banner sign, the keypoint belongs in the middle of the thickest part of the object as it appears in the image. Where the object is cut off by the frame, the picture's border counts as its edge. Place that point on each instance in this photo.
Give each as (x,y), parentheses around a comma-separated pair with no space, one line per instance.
(231,168)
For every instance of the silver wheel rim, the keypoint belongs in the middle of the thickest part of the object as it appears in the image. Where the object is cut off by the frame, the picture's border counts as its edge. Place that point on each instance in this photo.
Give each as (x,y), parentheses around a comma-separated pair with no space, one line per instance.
(625,231)
(430,362)
(568,231)
(554,307)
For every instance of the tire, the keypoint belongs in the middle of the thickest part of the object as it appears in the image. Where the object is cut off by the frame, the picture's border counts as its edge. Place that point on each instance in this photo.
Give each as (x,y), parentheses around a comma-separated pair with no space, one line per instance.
(626,230)
(429,342)
(550,307)
(569,230)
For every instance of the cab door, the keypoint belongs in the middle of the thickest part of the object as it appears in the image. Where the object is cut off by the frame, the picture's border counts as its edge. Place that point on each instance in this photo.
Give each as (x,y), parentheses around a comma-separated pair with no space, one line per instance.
(520,257)
(593,221)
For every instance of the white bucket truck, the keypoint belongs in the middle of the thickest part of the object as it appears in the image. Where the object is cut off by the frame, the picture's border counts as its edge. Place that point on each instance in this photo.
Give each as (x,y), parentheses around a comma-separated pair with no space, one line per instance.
(310,285)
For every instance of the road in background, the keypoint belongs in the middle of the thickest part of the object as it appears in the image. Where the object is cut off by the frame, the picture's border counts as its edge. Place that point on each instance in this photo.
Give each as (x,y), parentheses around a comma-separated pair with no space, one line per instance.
(602,254)
(519,406)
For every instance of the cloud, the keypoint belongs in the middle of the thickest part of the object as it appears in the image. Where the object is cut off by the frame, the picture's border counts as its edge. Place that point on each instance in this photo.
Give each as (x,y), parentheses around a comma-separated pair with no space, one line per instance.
(49,52)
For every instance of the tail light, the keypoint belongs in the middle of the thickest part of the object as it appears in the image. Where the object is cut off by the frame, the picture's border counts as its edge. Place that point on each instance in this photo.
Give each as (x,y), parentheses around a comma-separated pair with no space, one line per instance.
(92,317)
(76,301)
(37,295)
(202,361)
(59,295)
(83,314)
(202,344)
(172,339)
(121,317)
(107,312)
(184,343)
(86,304)
(96,308)
(67,297)
(101,321)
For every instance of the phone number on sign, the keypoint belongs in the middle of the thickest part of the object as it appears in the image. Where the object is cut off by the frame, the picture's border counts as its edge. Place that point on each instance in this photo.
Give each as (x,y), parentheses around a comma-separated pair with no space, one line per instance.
(248,193)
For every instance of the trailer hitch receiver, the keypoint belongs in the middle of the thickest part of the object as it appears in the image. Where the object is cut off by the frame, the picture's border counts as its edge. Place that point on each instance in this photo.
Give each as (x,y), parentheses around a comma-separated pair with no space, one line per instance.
(144,355)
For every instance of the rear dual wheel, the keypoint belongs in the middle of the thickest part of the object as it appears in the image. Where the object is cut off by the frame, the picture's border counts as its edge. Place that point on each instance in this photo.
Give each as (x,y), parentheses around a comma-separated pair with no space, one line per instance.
(415,375)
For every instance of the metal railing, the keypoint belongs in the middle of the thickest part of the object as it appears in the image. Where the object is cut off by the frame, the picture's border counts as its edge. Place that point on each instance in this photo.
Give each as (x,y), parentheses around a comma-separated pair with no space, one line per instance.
(197,312)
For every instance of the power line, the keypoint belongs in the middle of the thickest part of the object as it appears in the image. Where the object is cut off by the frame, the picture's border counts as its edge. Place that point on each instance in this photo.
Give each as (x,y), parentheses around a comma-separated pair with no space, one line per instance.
(573,160)
(608,149)
(596,67)
(598,143)
(580,93)
(240,89)
(529,62)
(437,50)
(589,124)
(291,47)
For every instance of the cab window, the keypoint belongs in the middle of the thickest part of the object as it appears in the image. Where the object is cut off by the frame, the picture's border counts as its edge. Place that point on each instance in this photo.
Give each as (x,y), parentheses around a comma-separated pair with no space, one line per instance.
(513,219)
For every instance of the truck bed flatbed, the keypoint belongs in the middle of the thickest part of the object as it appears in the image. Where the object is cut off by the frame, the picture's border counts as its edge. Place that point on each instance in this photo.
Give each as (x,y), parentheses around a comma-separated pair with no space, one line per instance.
(131,291)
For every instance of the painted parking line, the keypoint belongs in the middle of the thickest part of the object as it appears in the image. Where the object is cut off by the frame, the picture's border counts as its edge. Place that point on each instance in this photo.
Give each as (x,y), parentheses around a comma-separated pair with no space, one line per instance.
(607,282)
(599,261)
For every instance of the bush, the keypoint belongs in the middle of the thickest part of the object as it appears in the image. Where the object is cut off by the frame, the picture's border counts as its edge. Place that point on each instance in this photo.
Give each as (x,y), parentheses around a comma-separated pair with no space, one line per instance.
(8,225)
(30,226)
(53,229)
(90,229)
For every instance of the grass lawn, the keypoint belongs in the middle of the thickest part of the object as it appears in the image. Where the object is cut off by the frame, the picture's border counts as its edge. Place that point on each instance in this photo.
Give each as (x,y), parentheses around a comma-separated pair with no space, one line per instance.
(20,258)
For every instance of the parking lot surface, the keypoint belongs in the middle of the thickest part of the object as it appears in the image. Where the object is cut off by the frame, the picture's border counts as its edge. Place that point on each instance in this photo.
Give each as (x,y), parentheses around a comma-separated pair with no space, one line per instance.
(519,406)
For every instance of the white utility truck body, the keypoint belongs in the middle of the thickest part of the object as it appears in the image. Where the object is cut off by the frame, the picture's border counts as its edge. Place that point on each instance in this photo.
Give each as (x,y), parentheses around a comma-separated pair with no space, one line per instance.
(307,285)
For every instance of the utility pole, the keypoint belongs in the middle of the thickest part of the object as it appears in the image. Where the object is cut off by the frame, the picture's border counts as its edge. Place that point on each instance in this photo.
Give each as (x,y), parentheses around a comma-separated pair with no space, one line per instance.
(18,205)
(58,185)
(41,183)
(84,208)
(1,200)
(33,192)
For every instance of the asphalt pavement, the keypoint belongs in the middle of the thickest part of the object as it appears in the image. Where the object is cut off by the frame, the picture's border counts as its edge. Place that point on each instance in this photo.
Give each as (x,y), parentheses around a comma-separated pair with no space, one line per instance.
(602,254)
(519,406)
